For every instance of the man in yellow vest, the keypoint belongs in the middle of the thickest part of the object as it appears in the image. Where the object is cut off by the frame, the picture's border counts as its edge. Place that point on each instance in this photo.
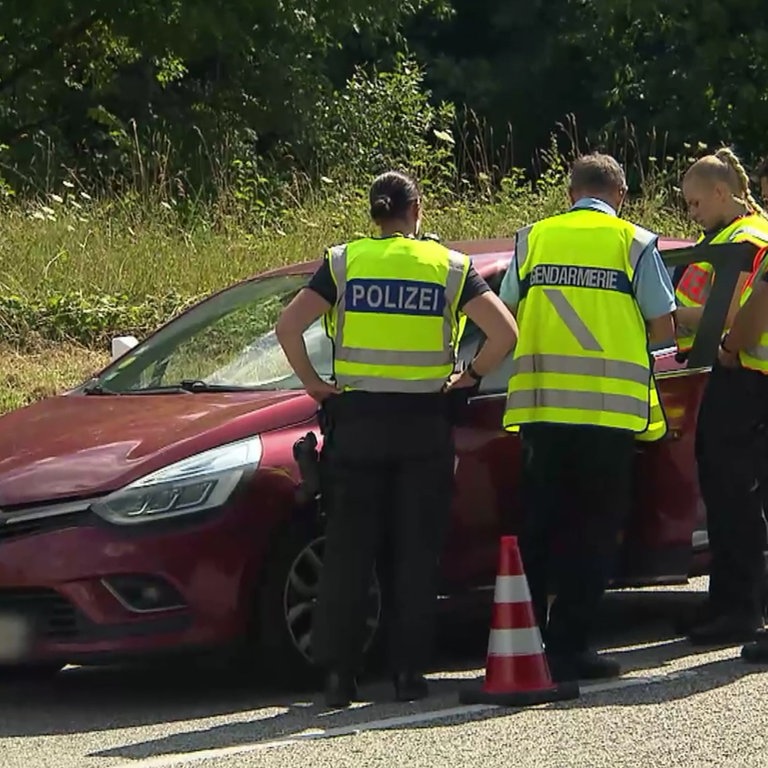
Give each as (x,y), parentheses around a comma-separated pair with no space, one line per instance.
(587,288)
(732,455)
(393,308)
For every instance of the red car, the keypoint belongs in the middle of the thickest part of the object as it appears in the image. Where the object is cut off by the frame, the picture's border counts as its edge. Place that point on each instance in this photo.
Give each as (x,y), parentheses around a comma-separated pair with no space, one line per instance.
(158,507)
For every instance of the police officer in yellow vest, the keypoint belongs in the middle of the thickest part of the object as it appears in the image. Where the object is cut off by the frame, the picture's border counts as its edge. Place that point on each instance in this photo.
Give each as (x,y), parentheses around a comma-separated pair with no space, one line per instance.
(716,189)
(392,306)
(730,441)
(588,288)
(741,376)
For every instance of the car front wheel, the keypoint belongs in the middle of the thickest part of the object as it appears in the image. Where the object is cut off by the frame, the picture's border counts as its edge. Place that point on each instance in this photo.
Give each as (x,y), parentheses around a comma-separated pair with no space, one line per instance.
(288,597)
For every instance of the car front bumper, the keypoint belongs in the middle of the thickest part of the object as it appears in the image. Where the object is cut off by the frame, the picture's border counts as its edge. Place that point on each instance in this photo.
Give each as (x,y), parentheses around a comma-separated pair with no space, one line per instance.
(92,591)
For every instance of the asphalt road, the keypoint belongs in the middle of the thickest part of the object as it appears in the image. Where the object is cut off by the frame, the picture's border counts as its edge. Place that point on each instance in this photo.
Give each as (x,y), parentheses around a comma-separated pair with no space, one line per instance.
(675,706)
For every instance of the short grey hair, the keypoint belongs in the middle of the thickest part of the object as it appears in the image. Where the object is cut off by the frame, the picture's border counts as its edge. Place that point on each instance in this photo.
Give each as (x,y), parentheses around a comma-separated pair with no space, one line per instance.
(597,173)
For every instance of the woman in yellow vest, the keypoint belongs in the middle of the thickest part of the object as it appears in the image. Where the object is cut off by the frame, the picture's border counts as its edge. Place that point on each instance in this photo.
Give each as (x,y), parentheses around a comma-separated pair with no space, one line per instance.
(744,354)
(393,307)
(716,191)
(730,441)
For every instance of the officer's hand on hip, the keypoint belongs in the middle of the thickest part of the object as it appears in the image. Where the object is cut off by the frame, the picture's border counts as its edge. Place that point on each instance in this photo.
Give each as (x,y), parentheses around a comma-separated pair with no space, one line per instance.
(459,380)
(321,390)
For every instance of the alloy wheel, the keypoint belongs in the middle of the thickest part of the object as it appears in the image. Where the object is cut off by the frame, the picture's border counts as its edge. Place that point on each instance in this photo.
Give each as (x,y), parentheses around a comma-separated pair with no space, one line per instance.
(300,597)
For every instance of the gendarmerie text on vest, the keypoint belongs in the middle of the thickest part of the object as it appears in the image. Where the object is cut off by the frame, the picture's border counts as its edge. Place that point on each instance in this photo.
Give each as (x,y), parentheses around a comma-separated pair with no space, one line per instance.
(577,277)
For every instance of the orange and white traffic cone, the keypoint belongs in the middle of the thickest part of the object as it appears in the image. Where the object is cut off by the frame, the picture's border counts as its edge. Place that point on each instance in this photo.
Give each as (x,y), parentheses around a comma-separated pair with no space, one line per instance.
(516,669)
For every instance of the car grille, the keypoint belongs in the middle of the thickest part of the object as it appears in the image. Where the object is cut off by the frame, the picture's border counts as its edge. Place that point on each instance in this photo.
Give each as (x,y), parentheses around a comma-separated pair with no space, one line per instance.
(20,522)
(53,616)
(21,528)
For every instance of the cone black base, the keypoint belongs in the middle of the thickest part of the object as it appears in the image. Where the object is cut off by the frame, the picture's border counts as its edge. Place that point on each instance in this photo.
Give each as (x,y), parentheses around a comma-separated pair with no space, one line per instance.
(559,692)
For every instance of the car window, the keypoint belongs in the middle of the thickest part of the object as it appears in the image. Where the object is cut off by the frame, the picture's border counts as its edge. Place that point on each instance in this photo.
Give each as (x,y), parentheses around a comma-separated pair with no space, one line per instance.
(227,341)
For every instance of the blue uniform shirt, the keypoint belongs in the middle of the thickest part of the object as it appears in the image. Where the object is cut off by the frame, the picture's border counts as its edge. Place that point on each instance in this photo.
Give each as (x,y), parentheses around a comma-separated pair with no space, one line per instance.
(652,284)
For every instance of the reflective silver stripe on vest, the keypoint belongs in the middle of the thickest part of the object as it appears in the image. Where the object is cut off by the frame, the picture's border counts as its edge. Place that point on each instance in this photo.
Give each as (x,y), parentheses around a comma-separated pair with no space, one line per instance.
(383,384)
(521,245)
(760,352)
(583,401)
(571,318)
(389,357)
(583,366)
(642,239)
(756,233)
(453,286)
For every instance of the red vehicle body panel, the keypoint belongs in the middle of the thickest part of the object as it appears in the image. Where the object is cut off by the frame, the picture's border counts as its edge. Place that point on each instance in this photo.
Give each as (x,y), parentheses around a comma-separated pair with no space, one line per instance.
(72,449)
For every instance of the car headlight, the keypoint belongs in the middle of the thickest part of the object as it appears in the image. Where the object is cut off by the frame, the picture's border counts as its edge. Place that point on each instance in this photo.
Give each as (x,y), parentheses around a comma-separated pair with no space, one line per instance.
(191,485)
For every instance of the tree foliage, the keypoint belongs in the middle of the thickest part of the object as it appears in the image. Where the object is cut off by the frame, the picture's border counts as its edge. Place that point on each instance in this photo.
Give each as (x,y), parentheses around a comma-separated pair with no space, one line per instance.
(112,85)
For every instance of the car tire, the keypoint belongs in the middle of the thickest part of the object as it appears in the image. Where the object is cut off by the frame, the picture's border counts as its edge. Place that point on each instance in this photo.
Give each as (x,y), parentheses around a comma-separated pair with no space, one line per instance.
(29,673)
(287,596)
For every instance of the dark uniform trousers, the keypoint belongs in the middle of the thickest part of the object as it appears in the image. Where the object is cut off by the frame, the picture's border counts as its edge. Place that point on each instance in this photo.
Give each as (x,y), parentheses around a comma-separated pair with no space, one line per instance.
(389,483)
(576,494)
(731,451)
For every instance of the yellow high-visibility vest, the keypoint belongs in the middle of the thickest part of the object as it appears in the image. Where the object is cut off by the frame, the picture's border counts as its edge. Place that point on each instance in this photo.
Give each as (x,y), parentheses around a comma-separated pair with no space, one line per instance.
(696,283)
(395,325)
(582,356)
(755,358)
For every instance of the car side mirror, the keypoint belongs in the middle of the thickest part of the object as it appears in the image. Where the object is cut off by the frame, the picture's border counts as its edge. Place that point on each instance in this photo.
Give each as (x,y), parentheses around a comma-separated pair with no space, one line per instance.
(122,344)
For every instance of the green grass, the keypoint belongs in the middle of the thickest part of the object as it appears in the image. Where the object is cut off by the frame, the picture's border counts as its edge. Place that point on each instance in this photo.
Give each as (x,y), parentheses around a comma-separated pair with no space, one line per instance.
(74,271)
(143,251)
(53,368)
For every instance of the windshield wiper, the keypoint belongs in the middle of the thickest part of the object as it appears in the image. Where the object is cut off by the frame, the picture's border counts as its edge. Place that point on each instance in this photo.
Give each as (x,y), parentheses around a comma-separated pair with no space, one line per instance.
(95,387)
(198,385)
(188,386)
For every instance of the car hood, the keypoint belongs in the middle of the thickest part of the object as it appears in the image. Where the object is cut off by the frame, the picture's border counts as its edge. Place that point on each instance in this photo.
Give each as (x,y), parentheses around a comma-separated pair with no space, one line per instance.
(76,446)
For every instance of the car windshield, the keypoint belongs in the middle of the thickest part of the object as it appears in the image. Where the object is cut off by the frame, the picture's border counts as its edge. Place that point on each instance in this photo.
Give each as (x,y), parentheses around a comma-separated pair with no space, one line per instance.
(227,342)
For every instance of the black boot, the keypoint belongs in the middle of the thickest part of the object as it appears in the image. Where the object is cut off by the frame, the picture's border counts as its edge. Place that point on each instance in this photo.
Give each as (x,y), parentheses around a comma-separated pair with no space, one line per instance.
(410,687)
(726,629)
(756,652)
(701,614)
(340,689)
(588,665)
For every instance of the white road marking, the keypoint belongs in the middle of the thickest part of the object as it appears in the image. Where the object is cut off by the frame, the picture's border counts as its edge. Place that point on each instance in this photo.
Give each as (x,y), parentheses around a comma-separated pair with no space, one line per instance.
(197,756)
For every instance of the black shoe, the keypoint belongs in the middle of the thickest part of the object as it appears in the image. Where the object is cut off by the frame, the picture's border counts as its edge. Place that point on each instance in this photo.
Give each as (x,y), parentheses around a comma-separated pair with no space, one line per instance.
(702,614)
(725,630)
(340,690)
(588,665)
(756,652)
(410,687)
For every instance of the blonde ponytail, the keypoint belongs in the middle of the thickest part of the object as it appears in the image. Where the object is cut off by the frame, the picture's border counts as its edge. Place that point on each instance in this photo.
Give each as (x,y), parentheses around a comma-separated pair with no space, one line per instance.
(745,197)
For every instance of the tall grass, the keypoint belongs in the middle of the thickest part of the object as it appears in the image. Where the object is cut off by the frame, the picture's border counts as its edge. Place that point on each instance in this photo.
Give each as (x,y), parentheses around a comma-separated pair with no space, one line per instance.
(81,261)
(146,247)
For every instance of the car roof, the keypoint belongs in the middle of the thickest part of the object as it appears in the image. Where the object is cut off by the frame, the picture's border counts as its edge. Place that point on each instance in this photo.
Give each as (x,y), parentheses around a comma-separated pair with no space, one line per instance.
(488,255)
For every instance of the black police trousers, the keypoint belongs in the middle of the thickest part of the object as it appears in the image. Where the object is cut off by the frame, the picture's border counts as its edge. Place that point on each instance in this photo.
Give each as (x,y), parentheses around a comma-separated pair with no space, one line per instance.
(387,494)
(732,456)
(576,497)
